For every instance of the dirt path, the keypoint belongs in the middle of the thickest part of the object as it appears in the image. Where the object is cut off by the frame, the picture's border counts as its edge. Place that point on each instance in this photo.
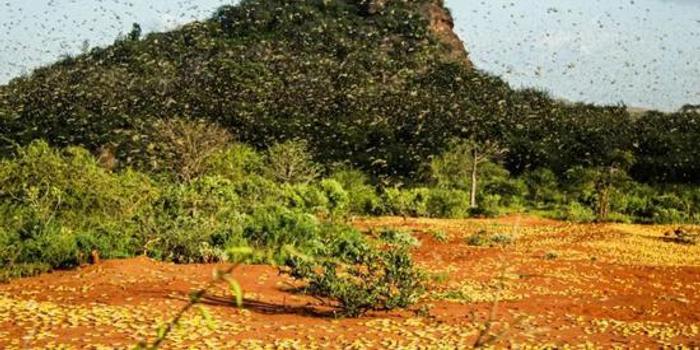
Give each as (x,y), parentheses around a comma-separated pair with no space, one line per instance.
(597,286)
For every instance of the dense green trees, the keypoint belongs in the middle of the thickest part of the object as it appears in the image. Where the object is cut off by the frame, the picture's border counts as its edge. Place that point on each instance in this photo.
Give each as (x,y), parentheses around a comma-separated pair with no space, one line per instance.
(370,88)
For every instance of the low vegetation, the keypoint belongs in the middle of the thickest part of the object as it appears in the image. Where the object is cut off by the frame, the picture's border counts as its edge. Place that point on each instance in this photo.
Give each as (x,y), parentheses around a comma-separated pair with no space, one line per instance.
(60,206)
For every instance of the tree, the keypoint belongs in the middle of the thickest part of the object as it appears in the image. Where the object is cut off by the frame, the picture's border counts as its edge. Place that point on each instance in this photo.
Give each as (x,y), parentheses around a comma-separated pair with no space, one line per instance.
(182,147)
(135,33)
(609,176)
(481,152)
(460,167)
(291,162)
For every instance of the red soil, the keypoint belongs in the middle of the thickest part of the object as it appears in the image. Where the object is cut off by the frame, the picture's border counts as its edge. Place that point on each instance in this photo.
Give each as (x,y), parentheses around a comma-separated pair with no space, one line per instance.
(562,301)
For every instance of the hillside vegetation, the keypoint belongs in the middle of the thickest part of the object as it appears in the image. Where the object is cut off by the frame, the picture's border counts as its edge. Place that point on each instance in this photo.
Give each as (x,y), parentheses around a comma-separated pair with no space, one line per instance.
(381,85)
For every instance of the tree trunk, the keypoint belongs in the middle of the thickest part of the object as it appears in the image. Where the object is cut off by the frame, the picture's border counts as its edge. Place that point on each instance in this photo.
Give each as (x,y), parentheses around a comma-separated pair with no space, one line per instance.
(472,195)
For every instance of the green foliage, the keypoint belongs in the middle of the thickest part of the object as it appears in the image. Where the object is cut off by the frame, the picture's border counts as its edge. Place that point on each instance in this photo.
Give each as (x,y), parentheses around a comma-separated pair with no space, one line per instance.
(444,203)
(489,207)
(291,162)
(193,222)
(363,198)
(542,186)
(484,238)
(397,201)
(440,236)
(177,147)
(577,212)
(235,163)
(338,199)
(398,237)
(273,227)
(375,279)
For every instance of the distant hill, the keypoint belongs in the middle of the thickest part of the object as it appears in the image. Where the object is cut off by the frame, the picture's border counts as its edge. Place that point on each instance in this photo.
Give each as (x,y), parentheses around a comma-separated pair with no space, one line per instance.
(380,84)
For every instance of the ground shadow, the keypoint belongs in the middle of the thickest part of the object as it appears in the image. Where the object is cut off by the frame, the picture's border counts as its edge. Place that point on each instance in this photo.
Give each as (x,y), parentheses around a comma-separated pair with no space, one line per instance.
(262,307)
(268,308)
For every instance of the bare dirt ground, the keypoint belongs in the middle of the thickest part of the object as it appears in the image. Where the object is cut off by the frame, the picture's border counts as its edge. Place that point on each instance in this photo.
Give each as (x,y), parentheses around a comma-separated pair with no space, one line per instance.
(557,285)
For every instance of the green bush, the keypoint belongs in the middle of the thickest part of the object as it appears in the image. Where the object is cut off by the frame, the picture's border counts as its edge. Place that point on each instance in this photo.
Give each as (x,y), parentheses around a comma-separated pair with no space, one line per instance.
(234,163)
(315,200)
(179,147)
(193,222)
(338,199)
(59,205)
(256,190)
(363,198)
(377,279)
(577,212)
(419,198)
(397,201)
(448,203)
(511,192)
(291,162)
(489,206)
(398,237)
(274,227)
(542,187)
(484,238)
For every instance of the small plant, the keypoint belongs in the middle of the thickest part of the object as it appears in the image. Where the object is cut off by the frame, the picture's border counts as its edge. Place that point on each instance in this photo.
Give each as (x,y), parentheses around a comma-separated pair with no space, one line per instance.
(439,235)
(551,256)
(483,238)
(398,237)
(379,279)
(577,212)
(439,277)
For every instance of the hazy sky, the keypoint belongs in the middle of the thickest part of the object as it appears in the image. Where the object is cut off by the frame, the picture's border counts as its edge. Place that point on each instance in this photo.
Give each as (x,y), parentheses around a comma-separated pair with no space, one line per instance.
(641,52)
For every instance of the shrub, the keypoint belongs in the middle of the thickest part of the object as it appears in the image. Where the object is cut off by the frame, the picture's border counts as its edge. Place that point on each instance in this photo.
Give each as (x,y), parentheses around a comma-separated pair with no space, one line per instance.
(234,163)
(542,186)
(619,217)
(484,238)
(179,146)
(399,237)
(510,192)
(363,198)
(489,206)
(193,222)
(315,201)
(291,162)
(667,209)
(256,190)
(338,199)
(667,216)
(59,205)
(577,212)
(448,203)
(273,227)
(440,236)
(378,279)
(70,185)
(419,198)
(397,202)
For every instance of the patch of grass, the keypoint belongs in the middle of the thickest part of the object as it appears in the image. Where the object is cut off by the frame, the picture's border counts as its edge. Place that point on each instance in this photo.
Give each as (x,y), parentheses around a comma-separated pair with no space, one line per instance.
(399,237)
(439,235)
(483,238)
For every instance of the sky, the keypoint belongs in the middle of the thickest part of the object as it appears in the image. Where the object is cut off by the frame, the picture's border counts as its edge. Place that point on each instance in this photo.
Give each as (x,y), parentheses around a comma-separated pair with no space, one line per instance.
(643,53)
